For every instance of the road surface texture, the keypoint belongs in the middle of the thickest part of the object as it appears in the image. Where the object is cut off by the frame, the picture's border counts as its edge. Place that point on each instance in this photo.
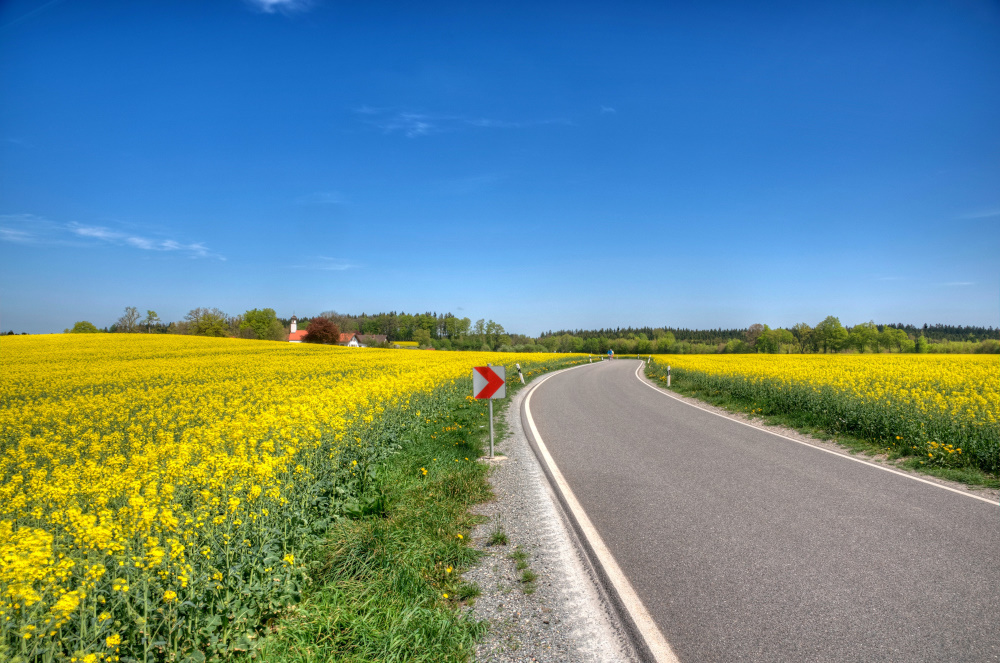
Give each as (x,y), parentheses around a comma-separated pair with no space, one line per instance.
(745,546)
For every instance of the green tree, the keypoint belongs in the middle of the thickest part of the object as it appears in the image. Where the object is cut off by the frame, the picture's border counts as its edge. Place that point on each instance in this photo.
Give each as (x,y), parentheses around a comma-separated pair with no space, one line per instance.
(890,337)
(921,344)
(830,334)
(862,336)
(206,322)
(550,343)
(803,334)
(263,323)
(84,327)
(664,340)
(150,320)
(422,337)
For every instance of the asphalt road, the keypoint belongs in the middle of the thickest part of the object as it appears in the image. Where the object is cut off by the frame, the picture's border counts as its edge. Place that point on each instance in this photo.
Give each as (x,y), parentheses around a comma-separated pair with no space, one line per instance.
(745,546)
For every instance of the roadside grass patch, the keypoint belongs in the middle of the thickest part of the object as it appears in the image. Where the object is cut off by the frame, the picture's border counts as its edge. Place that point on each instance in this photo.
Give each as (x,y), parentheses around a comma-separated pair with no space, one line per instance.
(386,584)
(498,537)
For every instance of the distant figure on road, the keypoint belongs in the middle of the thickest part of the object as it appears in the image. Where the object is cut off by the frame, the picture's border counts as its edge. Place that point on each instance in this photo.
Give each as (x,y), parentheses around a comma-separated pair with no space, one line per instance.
(611,355)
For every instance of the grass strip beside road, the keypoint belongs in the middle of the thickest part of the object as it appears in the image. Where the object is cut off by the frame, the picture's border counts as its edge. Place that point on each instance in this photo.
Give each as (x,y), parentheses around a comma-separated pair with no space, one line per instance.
(387,582)
(932,461)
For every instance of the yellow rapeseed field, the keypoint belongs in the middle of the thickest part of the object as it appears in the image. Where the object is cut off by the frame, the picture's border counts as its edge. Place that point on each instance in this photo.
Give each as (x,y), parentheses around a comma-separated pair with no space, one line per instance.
(943,406)
(146,481)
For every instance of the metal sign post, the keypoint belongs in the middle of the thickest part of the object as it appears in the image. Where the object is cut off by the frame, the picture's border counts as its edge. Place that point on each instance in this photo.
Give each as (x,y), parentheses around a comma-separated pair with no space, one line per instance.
(490,382)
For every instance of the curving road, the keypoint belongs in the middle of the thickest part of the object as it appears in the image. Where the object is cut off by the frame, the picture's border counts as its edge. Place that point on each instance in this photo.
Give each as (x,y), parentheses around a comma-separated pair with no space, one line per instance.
(745,546)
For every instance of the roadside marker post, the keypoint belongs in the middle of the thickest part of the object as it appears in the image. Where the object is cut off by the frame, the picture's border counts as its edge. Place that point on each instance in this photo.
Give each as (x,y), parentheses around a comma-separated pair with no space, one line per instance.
(490,382)
(519,373)
(668,377)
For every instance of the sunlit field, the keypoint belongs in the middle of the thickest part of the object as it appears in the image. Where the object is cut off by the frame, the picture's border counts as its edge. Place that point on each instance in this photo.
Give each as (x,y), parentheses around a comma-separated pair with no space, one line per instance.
(945,408)
(156,491)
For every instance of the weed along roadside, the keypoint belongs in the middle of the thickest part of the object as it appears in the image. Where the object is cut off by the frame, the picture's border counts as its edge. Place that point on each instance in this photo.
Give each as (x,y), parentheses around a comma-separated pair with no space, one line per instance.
(387,582)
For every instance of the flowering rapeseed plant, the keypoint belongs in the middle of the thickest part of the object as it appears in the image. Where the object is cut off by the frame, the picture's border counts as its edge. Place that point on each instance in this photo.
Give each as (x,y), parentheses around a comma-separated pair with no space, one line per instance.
(151,485)
(903,401)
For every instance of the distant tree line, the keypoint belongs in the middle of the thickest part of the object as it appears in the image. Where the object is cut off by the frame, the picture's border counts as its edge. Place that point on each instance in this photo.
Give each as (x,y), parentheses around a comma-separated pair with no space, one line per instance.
(829,335)
(441,331)
(445,331)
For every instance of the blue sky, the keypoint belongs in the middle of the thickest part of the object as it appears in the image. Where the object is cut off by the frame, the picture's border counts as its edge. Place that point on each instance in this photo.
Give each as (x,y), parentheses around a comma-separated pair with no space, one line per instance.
(546,165)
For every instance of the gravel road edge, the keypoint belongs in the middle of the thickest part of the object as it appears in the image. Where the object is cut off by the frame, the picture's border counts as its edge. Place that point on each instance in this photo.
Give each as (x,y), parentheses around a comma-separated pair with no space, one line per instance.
(567,617)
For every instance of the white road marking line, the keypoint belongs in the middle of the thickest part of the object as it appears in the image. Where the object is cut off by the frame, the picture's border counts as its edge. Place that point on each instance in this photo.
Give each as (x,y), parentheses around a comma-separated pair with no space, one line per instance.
(643,621)
(813,446)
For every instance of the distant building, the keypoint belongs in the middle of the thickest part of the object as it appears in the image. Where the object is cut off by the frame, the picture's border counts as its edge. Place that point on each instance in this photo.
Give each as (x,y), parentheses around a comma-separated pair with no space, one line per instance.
(296,336)
(356,340)
(350,339)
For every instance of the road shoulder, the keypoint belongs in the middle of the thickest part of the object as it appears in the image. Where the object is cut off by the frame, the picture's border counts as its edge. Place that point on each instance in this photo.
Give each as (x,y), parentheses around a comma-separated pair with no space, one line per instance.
(566,618)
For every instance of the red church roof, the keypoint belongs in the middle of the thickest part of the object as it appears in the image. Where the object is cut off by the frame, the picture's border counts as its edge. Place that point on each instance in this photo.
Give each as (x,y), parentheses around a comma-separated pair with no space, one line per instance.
(297,336)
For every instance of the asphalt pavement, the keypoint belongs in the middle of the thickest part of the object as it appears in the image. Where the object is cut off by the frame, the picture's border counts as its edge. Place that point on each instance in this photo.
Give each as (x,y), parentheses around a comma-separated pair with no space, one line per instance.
(745,546)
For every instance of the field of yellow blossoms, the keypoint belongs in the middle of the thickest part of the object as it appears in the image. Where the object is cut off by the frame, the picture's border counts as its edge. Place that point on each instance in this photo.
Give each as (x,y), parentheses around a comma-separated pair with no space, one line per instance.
(155,490)
(945,408)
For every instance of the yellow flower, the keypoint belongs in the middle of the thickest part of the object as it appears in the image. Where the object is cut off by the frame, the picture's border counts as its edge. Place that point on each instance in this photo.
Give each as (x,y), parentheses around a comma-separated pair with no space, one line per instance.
(113,640)
(169,595)
(459,536)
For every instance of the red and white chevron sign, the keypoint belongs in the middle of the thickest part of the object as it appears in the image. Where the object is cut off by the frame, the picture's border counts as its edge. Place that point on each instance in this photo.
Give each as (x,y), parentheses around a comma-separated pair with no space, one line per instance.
(489,382)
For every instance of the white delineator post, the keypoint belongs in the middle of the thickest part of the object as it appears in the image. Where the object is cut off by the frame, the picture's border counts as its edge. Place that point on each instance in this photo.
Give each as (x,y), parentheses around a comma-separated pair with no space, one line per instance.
(519,373)
(668,377)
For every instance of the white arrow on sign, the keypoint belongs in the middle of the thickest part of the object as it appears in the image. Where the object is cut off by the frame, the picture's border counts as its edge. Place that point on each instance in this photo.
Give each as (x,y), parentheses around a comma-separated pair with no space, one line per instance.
(489,382)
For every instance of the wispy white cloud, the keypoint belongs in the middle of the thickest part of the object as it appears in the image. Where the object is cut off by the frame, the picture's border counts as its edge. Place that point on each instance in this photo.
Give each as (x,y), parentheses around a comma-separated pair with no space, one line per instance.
(607,109)
(32,229)
(325,264)
(982,214)
(280,6)
(195,250)
(322,198)
(15,236)
(28,229)
(413,124)
(960,283)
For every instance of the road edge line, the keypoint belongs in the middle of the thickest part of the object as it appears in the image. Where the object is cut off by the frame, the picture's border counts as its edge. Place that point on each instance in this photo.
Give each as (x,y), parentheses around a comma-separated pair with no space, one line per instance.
(646,635)
(806,444)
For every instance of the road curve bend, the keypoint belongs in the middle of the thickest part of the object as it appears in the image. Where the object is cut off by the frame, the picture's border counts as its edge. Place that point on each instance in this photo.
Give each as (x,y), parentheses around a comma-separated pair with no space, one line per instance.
(745,546)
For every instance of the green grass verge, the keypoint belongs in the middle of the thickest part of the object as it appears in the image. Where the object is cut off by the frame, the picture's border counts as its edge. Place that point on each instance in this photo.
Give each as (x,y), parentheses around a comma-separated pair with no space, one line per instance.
(386,585)
(805,423)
